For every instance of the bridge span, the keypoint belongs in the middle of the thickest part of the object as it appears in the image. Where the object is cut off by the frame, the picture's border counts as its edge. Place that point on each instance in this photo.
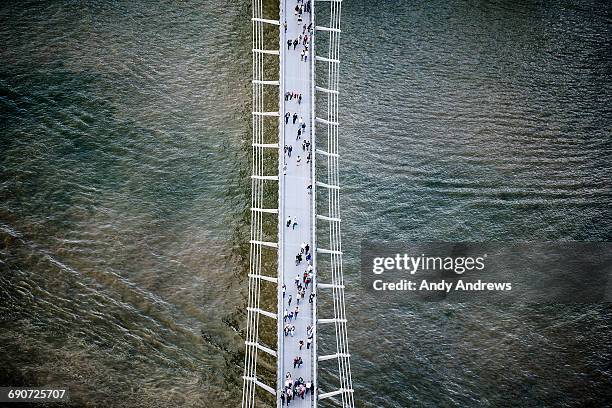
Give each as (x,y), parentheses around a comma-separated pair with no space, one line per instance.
(299,281)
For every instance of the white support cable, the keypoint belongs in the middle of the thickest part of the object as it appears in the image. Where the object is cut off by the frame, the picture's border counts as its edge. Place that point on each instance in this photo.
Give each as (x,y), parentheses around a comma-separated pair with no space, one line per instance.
(334,320)
(329,286)
(269,52)
(266,21)
(334,393)
(333,199)
(255,258)
(328,154)
(329,251)
(266,145)
(323,59)
(265,82)
(263,277)
(261,347)
(265,210)
(256,113)
(268,178)
(326,122)
(333,211)
(262,312)
(331,219)
(260,384)
(327,90)
(331,356)
(327,186)
(330,29)
(281,188)
(313,201)
(264,243)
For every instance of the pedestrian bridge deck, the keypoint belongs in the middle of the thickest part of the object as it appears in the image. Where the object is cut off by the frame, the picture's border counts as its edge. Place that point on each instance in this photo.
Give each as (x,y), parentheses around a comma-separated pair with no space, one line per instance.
(296,173)
(296,201)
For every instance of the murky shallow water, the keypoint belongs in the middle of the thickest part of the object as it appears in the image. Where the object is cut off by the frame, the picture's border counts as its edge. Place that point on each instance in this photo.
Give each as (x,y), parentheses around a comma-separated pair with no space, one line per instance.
(124,190)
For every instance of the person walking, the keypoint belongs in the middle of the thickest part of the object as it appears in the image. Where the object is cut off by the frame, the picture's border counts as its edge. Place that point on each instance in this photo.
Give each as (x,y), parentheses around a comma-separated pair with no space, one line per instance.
(288,221)
(310,297)
(295,43)
(299,159)
(289,300)
(300,99)
(308,343)
(295,223)
(295,117)
(287,116)
(284,289)
(295,313)
(289,42)
(299,134)
(301,344)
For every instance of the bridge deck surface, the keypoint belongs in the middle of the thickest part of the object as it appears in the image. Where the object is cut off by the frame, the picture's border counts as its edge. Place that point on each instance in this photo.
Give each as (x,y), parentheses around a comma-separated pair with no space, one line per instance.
(295,197)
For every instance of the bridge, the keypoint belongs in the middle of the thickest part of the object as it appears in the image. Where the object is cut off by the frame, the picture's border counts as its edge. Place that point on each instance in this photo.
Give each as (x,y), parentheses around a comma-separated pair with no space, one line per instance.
(305,141)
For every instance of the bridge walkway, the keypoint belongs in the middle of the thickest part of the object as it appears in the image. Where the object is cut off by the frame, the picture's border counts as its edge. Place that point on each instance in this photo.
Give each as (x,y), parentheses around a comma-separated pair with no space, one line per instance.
(296,200)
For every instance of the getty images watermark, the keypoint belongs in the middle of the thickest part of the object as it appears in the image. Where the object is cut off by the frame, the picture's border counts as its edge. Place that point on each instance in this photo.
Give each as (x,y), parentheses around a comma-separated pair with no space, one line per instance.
(496,272)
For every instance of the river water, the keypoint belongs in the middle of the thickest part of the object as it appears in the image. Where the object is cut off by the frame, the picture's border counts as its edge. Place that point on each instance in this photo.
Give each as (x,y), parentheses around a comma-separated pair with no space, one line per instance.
(124,195)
